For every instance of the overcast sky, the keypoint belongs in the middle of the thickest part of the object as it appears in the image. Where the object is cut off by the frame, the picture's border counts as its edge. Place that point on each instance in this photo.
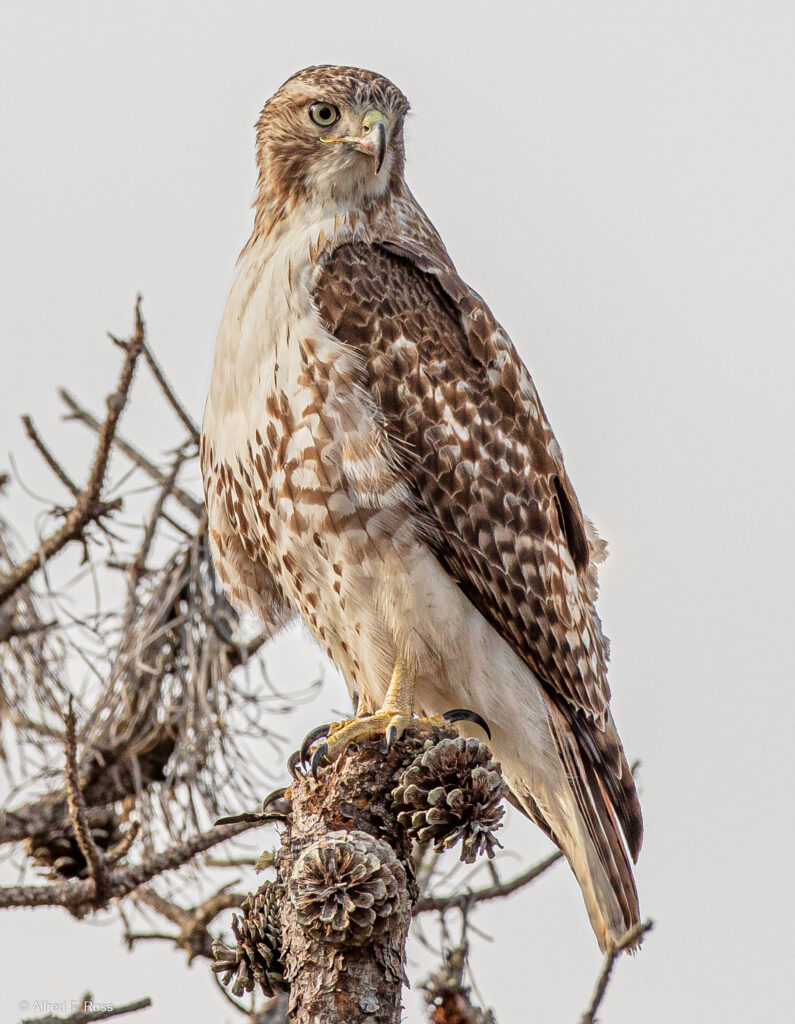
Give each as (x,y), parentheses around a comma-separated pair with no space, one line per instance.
(618,181)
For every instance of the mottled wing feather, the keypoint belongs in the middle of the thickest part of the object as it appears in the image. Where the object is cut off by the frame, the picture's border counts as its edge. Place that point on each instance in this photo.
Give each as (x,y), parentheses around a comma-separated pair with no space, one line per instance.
(485,463)
(487,473)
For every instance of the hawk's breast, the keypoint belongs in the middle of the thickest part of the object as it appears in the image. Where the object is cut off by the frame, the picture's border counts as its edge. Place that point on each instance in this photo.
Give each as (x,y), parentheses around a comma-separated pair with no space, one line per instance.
(299,476)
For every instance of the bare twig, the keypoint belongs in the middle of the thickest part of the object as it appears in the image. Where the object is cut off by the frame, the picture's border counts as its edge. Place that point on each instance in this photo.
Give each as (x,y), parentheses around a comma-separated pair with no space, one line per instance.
(86,1016)
(463,900)
(232,862)
(131,938)
(122,848)
(88,507)
(193,935)
(82,415)
(633,936)
(171,397)
(9,629)
(202,914)
(49,458)
(97,868)
(138,565)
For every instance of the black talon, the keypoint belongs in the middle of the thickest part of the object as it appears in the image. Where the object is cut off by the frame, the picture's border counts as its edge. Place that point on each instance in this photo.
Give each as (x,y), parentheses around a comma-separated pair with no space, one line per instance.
(463,715)
(292,765)
(262,816)
(317,733)
(272,798)
(317,757)
(391,737)
(233,819)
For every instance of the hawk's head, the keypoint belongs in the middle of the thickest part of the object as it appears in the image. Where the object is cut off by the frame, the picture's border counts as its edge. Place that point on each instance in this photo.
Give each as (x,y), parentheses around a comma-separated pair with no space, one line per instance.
(330,134)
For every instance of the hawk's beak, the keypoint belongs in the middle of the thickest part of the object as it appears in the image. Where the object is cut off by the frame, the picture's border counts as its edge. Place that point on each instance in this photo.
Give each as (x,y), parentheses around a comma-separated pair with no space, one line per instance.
(372,140)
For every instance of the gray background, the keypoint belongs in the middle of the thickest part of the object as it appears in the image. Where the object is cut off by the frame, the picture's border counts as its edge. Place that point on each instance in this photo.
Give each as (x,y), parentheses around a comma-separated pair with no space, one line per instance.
(617,180)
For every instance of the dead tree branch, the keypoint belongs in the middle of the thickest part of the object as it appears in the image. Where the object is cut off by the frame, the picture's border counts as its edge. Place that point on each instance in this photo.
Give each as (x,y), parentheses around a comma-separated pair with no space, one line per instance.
(170,394)
(49,458)
(629,941)
(97,868)
(87,1016)
(464,900)
(193,923)
(135,455)
(88,507)
(80,897)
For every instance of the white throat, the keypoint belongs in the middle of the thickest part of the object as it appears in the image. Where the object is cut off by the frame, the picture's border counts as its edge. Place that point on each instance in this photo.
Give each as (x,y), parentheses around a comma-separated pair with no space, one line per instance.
(268,314)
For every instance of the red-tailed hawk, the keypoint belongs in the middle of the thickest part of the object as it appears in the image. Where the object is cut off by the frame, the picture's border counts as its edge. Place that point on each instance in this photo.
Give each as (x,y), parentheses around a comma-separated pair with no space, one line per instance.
(376,458)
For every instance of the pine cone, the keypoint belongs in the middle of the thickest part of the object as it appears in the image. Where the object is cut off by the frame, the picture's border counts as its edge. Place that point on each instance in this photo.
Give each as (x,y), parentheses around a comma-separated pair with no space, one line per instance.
(256,959)
(346,887)
(452,790)
(58,850)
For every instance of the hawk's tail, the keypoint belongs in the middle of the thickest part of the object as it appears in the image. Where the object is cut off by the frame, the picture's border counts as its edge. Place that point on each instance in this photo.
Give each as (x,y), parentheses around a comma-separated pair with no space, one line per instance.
(582,817)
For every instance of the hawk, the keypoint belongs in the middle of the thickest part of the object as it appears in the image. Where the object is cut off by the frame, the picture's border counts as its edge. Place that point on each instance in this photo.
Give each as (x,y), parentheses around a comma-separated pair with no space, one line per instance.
(376,459)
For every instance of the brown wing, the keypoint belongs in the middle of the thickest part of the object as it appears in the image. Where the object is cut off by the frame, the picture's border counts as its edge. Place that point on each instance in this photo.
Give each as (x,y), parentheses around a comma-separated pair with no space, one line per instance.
(487,472)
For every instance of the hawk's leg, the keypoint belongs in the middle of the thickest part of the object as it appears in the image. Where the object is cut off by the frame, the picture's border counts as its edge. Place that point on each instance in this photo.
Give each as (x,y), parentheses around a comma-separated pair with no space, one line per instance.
(396,715)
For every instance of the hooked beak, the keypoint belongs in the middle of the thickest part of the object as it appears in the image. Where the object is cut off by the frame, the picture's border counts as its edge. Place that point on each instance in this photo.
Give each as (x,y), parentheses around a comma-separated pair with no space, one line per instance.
(372,140)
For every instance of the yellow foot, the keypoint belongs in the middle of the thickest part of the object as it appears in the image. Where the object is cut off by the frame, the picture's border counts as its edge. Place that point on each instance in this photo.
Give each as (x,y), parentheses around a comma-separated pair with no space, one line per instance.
(388,723)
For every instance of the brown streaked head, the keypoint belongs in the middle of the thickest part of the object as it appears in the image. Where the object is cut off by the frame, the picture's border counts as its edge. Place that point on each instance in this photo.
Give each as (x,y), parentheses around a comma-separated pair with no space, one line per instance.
(330,134)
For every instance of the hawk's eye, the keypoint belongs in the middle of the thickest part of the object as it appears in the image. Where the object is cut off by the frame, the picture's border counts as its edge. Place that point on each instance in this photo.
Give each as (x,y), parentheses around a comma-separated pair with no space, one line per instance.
(324,114)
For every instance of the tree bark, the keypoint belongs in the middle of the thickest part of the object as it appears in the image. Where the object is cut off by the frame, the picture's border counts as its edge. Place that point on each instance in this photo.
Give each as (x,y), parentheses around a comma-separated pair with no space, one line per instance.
(330,982)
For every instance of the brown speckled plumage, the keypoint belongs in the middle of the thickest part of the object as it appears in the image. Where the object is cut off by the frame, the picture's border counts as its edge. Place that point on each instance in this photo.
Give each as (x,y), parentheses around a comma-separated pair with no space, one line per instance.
(484,465)
(376,459)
